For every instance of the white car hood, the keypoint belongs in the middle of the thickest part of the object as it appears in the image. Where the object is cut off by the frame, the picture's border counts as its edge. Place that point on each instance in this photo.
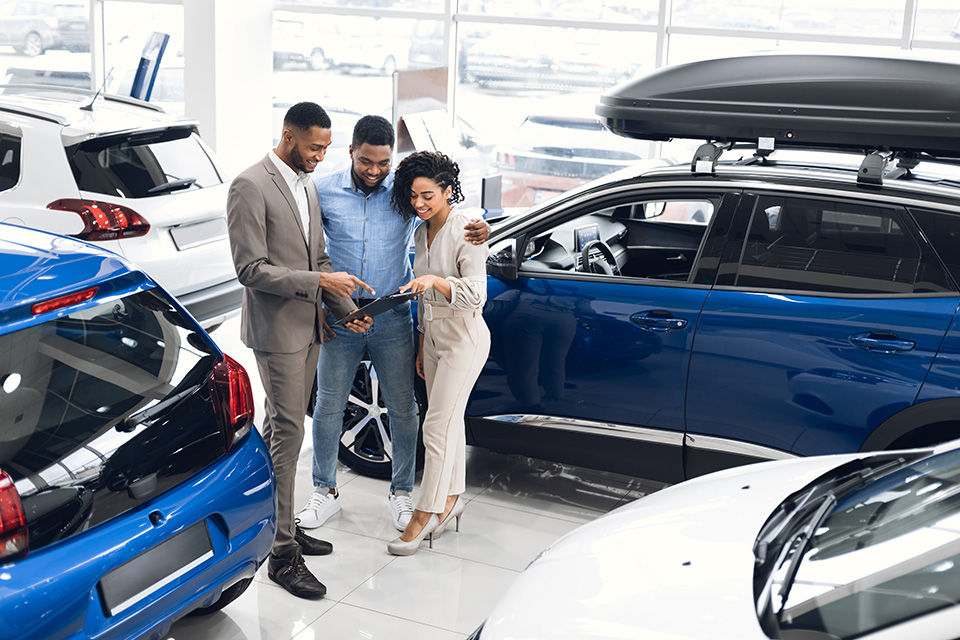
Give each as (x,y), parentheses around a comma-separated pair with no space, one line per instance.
(676,564)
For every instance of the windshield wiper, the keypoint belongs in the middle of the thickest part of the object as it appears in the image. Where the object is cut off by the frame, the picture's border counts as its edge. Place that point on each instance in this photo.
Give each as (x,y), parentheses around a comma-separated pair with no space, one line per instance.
(173,185)
(805,536)
(131,422)
(837,485)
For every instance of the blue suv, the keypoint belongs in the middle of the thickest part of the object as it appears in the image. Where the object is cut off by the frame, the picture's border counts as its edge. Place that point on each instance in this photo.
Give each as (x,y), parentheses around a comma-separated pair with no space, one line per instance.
(133,489)
(781,301)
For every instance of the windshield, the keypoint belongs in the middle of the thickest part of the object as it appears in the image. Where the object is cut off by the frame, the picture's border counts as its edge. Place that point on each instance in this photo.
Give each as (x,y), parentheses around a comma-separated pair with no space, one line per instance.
(886,553)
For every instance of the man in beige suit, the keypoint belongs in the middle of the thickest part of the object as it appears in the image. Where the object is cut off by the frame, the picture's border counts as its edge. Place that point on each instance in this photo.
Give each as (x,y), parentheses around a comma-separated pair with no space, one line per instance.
(276,235)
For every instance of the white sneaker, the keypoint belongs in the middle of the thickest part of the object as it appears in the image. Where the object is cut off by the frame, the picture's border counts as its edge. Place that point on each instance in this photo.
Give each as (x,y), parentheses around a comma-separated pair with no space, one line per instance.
(321,505)
(401,508)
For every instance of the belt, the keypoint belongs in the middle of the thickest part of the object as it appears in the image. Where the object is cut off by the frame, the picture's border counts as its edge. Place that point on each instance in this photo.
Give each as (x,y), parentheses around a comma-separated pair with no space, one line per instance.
(434,312)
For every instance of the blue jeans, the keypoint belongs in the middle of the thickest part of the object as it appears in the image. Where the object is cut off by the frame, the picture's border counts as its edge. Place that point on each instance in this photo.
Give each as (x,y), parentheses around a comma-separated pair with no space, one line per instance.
(389,343)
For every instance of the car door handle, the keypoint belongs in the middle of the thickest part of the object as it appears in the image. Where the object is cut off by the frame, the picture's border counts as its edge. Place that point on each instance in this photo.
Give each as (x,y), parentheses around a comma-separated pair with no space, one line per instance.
(882,342)
(657,320)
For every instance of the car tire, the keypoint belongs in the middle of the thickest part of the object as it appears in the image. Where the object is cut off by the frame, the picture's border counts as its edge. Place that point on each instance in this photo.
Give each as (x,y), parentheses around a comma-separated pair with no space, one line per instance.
(229,594)
(33,44)
(318,60)
(367,450)
(389,66)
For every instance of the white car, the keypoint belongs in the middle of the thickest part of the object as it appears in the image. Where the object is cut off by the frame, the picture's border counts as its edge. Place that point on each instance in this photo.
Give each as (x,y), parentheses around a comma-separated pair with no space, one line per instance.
(831,547)
(125,175)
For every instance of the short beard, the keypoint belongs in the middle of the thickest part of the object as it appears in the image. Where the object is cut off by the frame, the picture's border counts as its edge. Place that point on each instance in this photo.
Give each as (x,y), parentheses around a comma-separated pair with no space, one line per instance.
(297,160)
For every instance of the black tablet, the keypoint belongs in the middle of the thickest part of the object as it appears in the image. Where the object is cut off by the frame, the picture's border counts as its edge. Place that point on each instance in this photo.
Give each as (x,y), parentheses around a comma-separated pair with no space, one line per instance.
(379,305)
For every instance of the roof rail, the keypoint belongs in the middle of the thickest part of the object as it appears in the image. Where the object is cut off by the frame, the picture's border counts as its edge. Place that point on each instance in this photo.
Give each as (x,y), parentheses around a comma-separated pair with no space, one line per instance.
(113,97)
(35,113)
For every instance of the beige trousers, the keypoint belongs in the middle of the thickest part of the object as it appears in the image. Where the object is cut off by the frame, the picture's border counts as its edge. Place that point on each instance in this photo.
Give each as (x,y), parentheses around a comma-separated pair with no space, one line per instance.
(287,380)
(455,347)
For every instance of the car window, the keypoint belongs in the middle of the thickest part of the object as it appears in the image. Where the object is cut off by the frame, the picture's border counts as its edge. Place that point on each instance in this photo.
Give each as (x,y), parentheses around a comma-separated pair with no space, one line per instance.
(822,245)
(656,239)
(943,232)
(9,161)
(885,554)
(76,380)
(138,165)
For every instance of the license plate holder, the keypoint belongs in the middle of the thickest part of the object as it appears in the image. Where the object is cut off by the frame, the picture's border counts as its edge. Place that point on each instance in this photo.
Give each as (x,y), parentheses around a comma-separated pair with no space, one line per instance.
(155,568)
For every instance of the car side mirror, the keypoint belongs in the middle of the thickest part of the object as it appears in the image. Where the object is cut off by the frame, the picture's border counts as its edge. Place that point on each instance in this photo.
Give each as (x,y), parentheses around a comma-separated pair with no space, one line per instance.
(502,263)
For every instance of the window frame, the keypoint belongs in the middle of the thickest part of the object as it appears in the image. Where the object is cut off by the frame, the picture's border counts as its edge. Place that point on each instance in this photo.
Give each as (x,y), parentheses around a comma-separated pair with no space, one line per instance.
(733,253)
(562,214)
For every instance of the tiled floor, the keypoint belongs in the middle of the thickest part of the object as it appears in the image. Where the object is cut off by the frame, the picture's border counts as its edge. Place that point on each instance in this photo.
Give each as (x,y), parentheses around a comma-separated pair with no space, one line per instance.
(517,506)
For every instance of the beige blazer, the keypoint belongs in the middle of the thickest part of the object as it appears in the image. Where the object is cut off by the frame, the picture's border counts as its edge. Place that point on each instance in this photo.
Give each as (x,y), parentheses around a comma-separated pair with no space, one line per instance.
(277,265)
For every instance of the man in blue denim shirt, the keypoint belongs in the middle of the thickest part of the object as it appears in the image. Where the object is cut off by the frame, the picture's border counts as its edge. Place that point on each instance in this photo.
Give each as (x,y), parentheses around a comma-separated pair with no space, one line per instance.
(369,239)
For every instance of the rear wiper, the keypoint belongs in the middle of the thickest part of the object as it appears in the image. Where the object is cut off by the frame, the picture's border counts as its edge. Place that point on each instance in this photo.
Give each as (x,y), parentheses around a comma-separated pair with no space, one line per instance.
(132,421)
(173,185)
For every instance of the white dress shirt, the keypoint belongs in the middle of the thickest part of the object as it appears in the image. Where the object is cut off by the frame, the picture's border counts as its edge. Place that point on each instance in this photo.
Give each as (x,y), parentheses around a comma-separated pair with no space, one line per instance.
(298,183)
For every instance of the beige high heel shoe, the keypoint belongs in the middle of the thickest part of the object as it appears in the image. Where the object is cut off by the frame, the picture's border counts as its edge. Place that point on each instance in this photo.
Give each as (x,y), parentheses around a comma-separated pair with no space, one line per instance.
(455,512)
(400,547)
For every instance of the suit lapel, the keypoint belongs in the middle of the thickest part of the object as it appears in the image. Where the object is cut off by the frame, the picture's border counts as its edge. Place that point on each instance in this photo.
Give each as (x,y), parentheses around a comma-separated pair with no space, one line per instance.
(316,225)
(281,185)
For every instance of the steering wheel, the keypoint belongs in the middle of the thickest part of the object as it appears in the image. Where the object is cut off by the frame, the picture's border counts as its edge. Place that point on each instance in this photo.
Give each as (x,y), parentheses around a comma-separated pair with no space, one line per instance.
(607,266)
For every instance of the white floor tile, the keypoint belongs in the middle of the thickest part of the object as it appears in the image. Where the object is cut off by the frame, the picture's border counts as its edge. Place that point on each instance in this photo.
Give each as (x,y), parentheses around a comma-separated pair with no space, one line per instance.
(263,612)
(346,622)
(434,589)
(354,560)
(501,537)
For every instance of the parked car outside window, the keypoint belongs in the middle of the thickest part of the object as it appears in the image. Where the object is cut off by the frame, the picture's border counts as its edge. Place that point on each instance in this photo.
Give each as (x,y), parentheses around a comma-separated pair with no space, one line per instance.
(33,26)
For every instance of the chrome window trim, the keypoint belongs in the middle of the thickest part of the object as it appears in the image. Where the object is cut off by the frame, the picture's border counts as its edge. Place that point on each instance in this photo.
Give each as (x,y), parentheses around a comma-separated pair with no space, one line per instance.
(736,447)
(658,436)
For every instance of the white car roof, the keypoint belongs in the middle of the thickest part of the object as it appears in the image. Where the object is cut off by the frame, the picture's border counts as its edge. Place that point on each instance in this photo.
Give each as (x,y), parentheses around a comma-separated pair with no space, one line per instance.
(63,106)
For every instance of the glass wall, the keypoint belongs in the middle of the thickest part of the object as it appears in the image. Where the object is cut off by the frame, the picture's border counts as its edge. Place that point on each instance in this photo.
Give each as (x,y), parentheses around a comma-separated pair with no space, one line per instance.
(45,42)
(126,28)
(526,76)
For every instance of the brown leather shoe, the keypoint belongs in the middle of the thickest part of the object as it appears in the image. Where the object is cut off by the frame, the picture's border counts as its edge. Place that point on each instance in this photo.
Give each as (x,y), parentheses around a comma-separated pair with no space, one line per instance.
(312,546)
(293,575)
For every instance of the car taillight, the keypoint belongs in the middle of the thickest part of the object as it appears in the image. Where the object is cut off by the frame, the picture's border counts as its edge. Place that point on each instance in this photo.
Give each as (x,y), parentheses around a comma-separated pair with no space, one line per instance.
(102,220)
(13,523)
(506,159)
(232,398)
(63,301)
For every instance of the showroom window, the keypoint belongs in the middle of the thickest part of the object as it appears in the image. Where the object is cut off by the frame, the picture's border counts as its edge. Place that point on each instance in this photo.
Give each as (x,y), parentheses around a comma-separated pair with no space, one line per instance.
(820,245)
(938,20)
(127,27)
(45,42)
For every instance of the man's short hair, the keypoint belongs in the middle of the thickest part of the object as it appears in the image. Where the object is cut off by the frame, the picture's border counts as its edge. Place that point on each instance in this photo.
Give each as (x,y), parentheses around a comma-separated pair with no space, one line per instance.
(304,115)
(373,130)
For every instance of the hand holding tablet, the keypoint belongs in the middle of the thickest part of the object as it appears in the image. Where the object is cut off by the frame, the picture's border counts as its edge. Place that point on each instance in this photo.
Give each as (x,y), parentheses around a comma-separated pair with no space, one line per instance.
(384,303)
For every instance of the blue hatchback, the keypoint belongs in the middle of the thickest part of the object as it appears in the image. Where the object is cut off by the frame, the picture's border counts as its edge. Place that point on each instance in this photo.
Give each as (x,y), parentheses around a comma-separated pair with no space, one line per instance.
(133,489)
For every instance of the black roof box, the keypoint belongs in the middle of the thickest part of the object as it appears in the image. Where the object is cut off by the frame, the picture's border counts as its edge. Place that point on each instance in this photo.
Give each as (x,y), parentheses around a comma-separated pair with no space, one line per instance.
(839,102)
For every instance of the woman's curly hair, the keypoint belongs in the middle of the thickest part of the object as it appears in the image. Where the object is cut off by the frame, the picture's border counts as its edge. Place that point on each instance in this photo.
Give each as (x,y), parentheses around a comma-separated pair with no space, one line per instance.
(424,164)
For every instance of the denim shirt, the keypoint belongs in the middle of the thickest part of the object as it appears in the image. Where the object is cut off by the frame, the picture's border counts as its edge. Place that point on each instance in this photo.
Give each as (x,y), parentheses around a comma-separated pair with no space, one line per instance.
(366,237)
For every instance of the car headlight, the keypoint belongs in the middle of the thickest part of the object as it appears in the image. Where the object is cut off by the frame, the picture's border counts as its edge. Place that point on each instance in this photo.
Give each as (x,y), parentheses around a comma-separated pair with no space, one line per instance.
(476,634)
